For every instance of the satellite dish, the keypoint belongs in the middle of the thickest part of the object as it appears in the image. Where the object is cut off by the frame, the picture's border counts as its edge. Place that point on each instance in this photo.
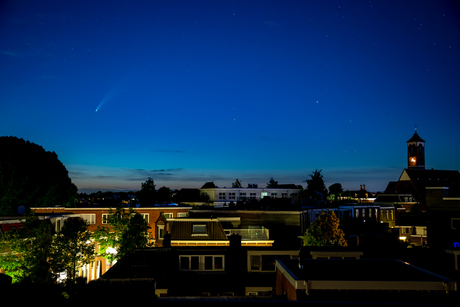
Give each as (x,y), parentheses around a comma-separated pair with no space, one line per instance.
(21,209)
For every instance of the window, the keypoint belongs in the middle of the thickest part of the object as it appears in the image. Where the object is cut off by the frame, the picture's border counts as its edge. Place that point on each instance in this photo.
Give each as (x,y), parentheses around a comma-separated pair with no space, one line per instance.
(105,218)
(405,230)
(201,263)
(252,195)
(161,232)
(265,263)
(274,195)
(181,214)
(222,196)
(90,218)
(199,229)
(146,217)
(231,195)
(284,195)
(168,215)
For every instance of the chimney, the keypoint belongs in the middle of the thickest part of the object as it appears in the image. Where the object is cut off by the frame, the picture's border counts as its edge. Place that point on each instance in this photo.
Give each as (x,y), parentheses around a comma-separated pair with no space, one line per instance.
(235,241)
(364,187)
(360,187)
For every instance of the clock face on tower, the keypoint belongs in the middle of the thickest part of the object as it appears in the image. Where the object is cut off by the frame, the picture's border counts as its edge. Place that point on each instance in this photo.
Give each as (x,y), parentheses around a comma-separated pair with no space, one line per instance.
(416,152)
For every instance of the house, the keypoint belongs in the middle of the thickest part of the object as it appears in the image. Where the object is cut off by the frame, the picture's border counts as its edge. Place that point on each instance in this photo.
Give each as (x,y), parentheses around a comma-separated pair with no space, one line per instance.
(282,227)
(201,271)
(359,280)
(192,231)
(97,217)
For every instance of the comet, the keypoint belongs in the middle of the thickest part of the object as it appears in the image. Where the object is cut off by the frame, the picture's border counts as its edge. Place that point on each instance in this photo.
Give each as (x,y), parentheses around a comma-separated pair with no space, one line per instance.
(104,100)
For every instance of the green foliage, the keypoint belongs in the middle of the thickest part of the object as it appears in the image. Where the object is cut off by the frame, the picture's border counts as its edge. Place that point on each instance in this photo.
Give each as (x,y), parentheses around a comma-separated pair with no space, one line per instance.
(125,232)
(31,175)
(29,251)
(272,183)
(325,231)
(315,184)
(13,266)
(72,248)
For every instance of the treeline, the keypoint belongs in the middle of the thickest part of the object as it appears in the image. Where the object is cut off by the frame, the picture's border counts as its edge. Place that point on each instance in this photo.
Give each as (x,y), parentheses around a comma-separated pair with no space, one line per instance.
(147,196)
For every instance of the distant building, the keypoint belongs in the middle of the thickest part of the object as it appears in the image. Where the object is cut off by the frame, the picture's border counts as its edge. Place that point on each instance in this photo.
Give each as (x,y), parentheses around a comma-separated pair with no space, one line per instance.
(360,196)
(221,197)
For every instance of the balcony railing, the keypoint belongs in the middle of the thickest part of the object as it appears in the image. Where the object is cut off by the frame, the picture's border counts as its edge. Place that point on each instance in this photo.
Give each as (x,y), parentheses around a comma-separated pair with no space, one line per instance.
(249,234)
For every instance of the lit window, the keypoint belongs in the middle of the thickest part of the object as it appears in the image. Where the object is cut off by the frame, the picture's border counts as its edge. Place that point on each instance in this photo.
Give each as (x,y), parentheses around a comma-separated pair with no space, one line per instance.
(145,216)
(168,215)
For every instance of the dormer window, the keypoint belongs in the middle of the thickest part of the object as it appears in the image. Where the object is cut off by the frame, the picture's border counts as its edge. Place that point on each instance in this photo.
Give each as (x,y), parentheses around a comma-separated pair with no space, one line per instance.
(199,229)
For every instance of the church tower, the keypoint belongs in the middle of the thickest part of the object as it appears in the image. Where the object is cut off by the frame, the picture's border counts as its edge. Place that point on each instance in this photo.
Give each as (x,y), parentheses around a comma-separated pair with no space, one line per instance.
(416,152)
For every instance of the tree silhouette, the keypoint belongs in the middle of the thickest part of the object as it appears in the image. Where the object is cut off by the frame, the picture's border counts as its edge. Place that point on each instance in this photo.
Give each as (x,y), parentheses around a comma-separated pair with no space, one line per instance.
(164,194)
(31,176)
(335,190)
(236,184)
(272,183)
(147,194)
(315,184)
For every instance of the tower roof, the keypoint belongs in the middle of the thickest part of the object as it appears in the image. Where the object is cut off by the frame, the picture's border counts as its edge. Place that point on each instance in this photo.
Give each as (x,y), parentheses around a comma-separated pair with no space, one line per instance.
(415,138)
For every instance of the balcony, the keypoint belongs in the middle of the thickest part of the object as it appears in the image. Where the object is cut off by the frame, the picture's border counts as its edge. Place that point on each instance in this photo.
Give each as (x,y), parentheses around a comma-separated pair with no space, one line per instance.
(249,234)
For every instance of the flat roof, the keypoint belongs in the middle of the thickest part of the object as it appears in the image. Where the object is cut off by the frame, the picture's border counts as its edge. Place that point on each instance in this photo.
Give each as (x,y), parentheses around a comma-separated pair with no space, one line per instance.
(358,270)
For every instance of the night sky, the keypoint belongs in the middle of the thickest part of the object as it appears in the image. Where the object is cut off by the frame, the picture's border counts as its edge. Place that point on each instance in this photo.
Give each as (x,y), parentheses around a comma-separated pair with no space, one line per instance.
(189,91)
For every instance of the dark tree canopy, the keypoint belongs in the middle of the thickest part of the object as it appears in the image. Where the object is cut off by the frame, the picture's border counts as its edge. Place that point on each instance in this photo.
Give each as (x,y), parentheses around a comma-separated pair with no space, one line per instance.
(315,184)
(336,188)
(164,195)
(236,184)
(147,194)
(31,177)
(272,183)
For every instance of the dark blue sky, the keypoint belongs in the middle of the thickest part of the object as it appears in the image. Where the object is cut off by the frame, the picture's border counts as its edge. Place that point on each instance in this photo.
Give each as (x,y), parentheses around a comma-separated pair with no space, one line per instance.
(194,91)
